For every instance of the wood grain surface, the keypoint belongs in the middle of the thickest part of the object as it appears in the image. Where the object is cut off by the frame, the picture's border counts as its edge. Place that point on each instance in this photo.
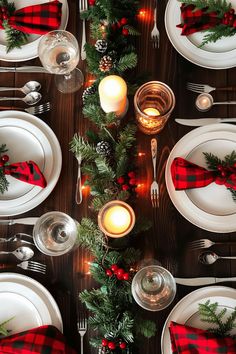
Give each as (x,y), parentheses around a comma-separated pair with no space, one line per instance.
(166,240)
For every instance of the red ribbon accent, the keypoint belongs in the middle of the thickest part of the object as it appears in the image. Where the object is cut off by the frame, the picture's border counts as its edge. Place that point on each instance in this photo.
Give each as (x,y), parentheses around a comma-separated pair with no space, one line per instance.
(195,20)
(35,19)
(28,172)
(187,175)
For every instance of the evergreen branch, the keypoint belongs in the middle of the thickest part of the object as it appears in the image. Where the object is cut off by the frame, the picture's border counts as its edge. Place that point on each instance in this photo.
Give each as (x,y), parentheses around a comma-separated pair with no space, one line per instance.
(216,33)
(128,61)
(145,327)
(230,159)
(90,236)
(212,161)
(132,31)
(220,6)
(14,38)
(3,331)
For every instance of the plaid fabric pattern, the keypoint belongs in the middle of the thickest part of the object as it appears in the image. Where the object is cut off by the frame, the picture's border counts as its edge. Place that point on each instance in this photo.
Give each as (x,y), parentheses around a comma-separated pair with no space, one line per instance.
(40,340)
(195,20)
(189,340)
(37,19)
(28,172)
(186,175)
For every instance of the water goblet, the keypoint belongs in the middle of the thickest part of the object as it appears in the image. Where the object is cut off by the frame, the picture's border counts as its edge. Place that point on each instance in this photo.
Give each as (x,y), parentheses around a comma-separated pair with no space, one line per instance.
(59,54)
(153,288)
(55,233)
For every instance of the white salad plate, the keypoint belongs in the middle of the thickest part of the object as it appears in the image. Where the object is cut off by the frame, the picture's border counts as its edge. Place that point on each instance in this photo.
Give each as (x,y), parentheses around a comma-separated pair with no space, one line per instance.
(27,303)
(29,50)
(218,55)
(186,310)
(28,138)
(212,207)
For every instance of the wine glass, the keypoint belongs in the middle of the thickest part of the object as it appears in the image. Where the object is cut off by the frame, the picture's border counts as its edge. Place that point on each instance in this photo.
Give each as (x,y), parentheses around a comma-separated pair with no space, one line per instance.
(59,54)
(153,288)
(55,233)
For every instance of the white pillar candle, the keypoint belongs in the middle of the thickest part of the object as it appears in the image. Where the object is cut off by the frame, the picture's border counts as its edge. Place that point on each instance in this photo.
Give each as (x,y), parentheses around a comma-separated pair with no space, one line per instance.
(113,94)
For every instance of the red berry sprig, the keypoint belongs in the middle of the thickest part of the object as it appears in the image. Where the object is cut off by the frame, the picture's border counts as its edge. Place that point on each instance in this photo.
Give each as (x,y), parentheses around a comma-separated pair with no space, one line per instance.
(3,160)
(112,344)
(118,272)
(122,345)
(127,182)
(91,2)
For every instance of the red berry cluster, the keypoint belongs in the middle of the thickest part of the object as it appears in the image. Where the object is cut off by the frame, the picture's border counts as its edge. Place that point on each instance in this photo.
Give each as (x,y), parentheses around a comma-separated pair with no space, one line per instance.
(120,24)
(91,2)
(128,181)
(3,160)
(229,18)
(113,345)
(224,173)
(3,13)
(118,272)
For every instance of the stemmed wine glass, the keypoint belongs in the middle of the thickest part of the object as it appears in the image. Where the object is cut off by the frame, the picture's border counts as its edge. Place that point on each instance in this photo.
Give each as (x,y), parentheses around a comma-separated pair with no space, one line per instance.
(59,54)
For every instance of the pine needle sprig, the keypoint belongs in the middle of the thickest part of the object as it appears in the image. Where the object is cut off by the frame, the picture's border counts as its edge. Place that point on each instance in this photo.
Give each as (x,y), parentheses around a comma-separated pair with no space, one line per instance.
(216,33)
(3,331)
(220,6)
(212,160)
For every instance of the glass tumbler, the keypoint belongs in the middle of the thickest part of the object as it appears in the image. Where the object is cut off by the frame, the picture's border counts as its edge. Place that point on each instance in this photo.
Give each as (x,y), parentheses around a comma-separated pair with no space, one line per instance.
(153,288)
(153,103)
(55,233)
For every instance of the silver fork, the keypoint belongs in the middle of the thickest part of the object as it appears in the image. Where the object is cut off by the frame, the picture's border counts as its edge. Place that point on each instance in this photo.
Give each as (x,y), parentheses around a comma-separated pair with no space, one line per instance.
(205,243)
(199,88)
(154,185)
(45,107)
(82,329)
(83,6)
(78,192)
(155,34)
(33,266)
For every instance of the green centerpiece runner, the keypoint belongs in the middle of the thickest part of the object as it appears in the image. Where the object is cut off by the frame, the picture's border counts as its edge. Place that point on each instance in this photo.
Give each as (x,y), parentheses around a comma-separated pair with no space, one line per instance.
(108,153)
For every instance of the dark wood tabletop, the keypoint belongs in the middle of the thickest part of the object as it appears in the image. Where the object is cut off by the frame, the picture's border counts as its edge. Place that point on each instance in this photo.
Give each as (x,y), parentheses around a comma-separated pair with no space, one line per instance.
(166,240)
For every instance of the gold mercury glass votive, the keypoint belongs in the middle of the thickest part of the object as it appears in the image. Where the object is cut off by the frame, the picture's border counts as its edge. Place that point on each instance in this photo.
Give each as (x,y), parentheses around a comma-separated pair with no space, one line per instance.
(116,219)
(153,103)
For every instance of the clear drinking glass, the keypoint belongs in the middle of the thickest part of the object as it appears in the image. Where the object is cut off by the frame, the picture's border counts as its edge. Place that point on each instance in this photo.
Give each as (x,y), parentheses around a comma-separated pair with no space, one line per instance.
(55,233)
(153,288)
(153,103)
(59,54)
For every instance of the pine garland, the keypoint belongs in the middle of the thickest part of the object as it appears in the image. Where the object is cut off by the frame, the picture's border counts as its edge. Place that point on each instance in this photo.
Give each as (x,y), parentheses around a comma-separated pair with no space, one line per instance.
(210,313)
(113,311)
(223,8)
(14,38)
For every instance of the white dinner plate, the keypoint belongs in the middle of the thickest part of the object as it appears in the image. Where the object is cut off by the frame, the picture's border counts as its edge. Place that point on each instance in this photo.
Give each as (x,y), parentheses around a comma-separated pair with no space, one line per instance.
(186,310)
(28,138)
(219,55)
(212,207)
(29,50)
(27,302)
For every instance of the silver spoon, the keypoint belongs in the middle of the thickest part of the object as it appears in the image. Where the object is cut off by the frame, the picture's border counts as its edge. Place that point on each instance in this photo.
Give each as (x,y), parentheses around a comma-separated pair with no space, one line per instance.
(17,237)
(31,98)
(211,257)
(30,86)
(23,253)
(205,101)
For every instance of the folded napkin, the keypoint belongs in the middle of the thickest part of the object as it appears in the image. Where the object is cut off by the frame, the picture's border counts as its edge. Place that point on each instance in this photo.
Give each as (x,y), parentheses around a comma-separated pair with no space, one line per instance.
(195,20)
(189,340)
(40,340)
(35,19)
(186,175)
(28,172)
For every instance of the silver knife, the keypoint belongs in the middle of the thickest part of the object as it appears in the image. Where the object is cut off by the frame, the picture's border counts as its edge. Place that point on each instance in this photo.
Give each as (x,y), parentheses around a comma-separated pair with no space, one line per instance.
(24,69)
(204,121)
(25,221)
(202,281)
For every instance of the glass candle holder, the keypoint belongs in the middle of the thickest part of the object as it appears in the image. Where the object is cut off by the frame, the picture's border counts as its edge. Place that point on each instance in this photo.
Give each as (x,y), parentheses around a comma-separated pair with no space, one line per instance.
(116,219)
(153,103)
(153,288)
(55,233)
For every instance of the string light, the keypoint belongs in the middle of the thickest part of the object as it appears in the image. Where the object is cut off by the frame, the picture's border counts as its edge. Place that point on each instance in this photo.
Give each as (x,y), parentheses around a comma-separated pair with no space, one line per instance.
(140,154)
(145,14)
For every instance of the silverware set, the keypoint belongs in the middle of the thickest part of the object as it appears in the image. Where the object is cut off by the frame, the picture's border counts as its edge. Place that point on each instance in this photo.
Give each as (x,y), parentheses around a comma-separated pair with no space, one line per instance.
(202,88)
(23,253)
(40,109)
(30,89)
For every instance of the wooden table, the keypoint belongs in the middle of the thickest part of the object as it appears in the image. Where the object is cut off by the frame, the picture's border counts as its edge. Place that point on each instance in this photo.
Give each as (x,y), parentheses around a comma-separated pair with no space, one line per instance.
(166,240)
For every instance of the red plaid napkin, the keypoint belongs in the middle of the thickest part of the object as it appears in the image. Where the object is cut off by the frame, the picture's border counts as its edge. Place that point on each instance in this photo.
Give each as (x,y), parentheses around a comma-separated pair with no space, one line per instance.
(186,175)
(28,172)
(40,340)
(196,20)
(189,340)
(37,19)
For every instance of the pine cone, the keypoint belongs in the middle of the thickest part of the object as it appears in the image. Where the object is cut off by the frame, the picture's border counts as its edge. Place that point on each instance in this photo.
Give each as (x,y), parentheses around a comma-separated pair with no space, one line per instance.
(103,148)
(106,63)
(87,92)
(101,45)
